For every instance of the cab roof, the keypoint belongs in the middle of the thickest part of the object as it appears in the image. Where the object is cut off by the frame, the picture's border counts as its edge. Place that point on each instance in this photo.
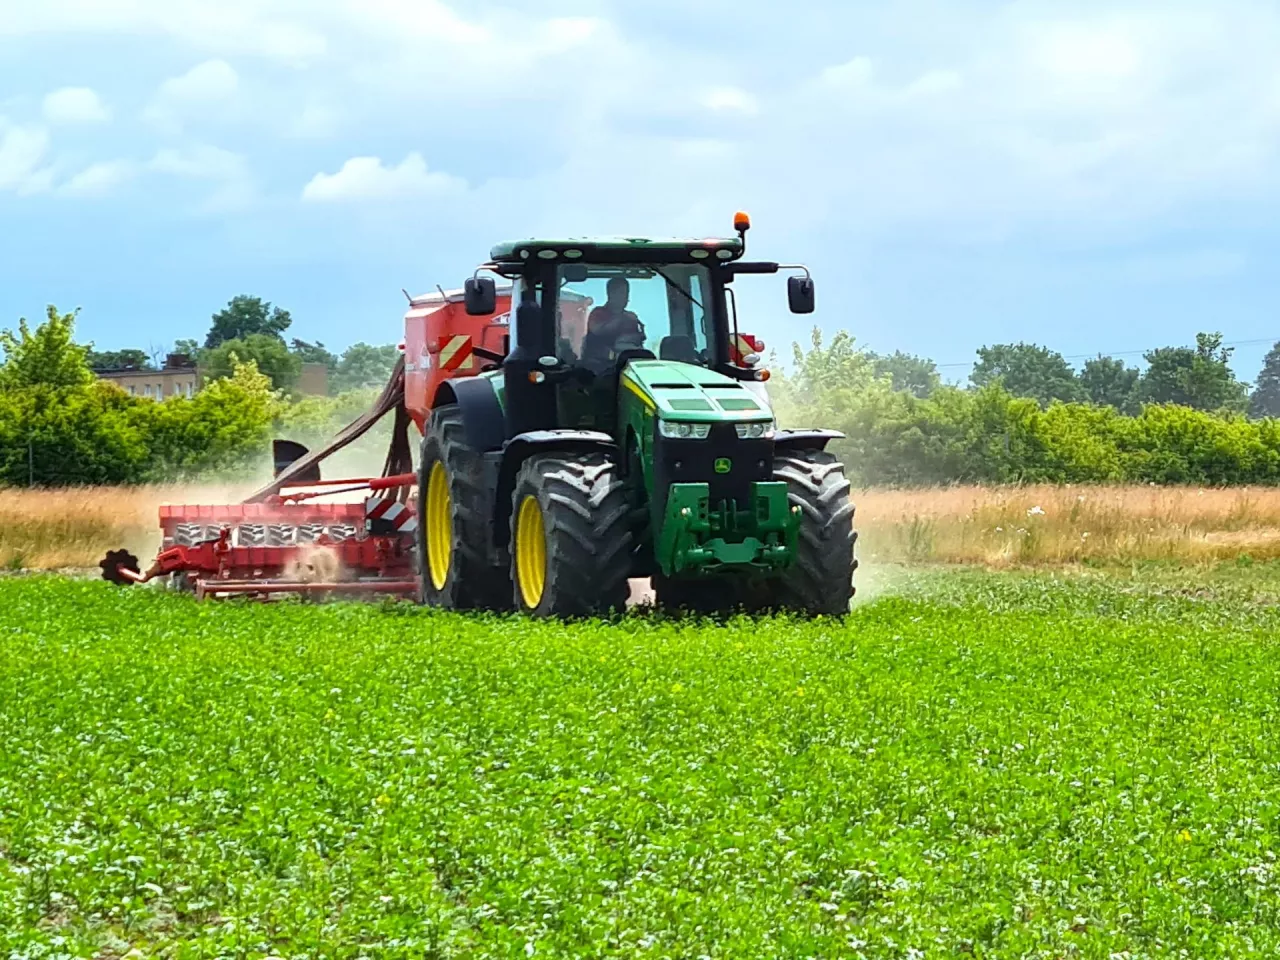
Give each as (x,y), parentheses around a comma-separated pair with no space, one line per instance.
(619,250)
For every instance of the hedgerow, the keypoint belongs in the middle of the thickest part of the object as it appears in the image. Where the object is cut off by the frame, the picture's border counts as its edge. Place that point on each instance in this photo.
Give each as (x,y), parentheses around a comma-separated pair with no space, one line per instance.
(987,435)
(59,426)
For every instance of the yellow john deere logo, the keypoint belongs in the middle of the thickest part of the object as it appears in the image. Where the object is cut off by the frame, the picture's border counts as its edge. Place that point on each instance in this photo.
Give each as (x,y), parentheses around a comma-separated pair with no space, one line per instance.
(723,464)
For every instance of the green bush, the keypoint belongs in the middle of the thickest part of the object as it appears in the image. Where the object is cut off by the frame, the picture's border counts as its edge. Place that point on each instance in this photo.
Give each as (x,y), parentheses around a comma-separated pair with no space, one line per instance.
(60,426)
(95,433)
(987,435)
(53,436)
(225,429)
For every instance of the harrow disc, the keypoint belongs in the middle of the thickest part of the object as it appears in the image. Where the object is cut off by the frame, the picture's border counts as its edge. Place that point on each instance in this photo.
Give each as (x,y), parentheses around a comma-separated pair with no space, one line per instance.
(114,562)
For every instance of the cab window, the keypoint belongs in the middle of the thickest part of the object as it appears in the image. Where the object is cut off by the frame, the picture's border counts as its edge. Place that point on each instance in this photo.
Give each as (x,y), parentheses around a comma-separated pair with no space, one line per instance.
(659,308)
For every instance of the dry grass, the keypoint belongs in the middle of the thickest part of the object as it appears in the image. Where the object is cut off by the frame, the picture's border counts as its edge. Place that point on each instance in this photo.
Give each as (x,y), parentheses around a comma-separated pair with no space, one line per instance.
(998,526)
(993,526)
(75,527)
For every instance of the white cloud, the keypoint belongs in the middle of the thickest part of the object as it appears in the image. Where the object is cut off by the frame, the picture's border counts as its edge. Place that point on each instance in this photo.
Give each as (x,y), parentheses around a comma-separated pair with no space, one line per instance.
(22,151)
(207,89)
(99,178)
(283,30)
(229,173)
(315,122)
(415,21)
(932,83)
(1107,52)
(729,100)
(1008,117)
(1034,118)
(366,178)
(853,73)
(201,162)
(75,105)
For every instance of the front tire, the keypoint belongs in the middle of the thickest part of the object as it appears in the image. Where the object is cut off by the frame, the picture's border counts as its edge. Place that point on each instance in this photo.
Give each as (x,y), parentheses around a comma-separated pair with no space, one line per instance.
(820,581)
(570,537)
(454,503)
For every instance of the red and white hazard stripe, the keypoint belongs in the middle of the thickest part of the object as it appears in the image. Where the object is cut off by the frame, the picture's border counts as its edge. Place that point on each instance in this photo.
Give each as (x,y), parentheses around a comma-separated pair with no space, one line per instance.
(394,512)
(455,352)
(742,345)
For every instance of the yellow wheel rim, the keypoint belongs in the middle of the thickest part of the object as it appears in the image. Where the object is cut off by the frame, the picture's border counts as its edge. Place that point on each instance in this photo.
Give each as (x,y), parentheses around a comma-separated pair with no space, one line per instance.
(531,552)
(439,526)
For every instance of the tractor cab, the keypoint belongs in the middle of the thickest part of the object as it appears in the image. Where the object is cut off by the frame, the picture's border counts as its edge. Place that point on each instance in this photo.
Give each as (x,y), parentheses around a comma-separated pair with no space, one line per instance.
(584,309)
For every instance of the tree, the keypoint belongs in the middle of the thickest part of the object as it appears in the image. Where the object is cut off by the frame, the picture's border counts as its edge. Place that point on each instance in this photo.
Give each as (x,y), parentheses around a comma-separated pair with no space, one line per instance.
(313,353)
(1265,400)
(48,356)
(1027,370)
(363,365)
(917,375)
(268,352)
(827,384)
(188,348)
(223,430)
(245,316)
(1198,377)
(1106,381)
(128,359)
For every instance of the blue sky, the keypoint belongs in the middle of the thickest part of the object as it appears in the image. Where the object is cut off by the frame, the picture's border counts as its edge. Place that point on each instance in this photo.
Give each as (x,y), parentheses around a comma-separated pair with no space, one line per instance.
(1093,177)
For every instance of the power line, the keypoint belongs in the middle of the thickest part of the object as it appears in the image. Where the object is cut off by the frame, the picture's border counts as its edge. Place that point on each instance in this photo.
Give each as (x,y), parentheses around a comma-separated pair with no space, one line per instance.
(1126,353)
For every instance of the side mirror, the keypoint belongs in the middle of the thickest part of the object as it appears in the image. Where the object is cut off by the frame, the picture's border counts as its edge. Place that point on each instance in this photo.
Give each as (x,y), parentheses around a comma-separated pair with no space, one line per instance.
(800,294)
(480,294)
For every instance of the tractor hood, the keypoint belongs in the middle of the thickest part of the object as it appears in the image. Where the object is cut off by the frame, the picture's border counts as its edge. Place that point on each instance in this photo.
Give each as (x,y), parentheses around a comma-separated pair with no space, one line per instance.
(685,391)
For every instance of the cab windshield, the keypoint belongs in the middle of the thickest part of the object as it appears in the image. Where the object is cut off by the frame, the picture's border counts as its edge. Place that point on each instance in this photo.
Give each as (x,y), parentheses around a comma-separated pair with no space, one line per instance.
(659,308)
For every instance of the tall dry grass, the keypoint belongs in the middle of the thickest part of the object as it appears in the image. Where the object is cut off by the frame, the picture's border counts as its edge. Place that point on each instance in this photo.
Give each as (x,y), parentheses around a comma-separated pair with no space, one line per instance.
(995,526)
(1068,524)
(75,527)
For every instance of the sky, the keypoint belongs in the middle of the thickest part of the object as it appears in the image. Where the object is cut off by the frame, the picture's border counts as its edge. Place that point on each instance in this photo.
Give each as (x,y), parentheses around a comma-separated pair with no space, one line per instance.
(1092,177)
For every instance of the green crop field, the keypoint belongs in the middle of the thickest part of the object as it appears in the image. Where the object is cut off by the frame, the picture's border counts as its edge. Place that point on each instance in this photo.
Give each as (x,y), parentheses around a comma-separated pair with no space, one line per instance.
(970,765)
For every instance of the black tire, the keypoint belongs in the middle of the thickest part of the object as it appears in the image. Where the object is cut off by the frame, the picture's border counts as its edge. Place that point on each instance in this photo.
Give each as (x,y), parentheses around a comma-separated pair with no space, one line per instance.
(583,510)
(470,582)
(820,581)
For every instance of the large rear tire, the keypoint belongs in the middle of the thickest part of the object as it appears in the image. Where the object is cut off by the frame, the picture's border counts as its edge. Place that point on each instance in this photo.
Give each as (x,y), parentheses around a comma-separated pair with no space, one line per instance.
(570,536)
(454,529)
(820,581)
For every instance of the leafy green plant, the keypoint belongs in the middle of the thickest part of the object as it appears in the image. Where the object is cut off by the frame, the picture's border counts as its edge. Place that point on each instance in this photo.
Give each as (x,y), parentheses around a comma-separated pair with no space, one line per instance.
(986,766)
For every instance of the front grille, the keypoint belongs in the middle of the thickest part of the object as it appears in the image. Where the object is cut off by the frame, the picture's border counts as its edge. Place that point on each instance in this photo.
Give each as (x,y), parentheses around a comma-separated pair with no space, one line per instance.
(694,461)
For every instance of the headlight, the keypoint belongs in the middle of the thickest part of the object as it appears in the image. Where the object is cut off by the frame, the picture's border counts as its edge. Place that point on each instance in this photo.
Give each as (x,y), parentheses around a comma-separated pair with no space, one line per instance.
(754,431)
(681,430)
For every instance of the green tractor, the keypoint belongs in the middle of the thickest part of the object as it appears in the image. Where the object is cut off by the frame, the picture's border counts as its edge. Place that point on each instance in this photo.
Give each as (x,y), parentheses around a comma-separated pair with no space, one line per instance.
(616,439)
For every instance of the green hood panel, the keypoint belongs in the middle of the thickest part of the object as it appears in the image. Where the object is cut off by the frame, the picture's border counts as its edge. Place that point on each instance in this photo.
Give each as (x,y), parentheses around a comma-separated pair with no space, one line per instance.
(684,391)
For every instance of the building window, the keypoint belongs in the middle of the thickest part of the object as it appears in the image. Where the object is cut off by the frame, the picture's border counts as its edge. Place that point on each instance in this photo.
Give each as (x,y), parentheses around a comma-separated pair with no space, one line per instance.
(190,389)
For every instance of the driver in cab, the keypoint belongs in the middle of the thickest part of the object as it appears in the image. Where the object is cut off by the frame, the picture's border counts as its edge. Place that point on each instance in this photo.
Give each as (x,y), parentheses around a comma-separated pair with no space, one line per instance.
(612,323)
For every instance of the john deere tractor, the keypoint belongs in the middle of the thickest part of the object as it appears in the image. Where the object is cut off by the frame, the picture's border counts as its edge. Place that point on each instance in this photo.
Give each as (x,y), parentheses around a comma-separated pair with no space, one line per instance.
(615,439)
